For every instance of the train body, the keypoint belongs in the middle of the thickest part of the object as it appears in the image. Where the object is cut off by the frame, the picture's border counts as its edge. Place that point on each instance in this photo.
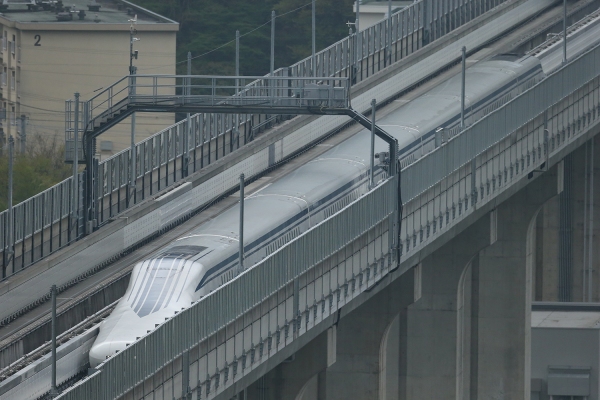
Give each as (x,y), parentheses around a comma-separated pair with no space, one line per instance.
(205,258)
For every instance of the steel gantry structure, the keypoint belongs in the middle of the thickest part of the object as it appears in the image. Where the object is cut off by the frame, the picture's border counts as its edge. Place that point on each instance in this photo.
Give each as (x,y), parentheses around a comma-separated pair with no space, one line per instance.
(200,93)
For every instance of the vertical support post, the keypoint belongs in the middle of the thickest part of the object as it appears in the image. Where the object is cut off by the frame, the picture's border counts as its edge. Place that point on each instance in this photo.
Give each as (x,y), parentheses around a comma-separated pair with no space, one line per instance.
(389,34)
(75,192)
(272,42)
(131,200)
(241,234)
(237,84)
(314,43)
(10,229)
(590,225)
(564,31)
(462,91)
(23,134)
(372,154)
(53,390)
(188,133)
(357,41)
(473,181)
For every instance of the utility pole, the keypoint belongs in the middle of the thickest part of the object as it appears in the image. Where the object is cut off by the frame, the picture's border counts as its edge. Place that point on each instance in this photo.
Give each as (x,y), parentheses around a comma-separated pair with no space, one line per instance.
(75,192)
(358,44)
(314,45)
(372,154)
(132,71)
(389,33)
(237,84)
(188,133)
(463,84)
(11,151)
(272,42)
(564,31)
(23,134)
(53,390)
(241,235)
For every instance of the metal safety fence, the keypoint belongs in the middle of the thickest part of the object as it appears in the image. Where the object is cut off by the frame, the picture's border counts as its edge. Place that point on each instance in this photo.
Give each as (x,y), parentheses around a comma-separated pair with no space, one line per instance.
(159,160)
(472,168)
(255,286)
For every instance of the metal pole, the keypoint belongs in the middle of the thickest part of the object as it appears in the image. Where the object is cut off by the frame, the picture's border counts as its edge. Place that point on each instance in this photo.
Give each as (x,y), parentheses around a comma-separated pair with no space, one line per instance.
(591,224)
(11,151)
(132,150)
(272,42)
(357,42)
(564,31)
(372,154)
(237,60)
(462,92)
(75,191)
(23,134)
(53,390)
(314,45)
(241,236)
(237,82)
(389,33)
(188,135)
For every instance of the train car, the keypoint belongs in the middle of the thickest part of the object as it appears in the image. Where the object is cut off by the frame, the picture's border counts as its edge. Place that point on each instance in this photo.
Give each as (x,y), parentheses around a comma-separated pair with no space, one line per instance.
(198,263)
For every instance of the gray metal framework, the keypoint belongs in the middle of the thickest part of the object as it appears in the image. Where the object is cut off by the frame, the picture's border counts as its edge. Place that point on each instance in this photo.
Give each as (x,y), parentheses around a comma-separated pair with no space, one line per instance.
(42,224)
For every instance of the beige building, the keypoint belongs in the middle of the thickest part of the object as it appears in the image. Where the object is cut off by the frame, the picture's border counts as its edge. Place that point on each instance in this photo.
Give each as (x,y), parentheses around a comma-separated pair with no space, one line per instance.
(48,54)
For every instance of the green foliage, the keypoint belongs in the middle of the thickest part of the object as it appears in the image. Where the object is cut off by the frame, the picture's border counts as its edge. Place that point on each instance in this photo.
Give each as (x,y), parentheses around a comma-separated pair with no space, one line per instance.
(206,25)
(41,167)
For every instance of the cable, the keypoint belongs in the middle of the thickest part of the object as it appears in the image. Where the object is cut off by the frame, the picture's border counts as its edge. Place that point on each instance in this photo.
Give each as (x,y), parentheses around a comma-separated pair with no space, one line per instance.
(228,43)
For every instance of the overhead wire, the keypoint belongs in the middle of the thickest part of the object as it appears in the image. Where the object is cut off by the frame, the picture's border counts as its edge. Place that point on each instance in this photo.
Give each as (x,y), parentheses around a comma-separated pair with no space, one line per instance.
(229,42)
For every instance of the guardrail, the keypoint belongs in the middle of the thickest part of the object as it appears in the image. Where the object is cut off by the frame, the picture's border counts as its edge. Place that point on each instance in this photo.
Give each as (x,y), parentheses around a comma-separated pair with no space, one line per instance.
(507,145)
(255,286)
(159,159)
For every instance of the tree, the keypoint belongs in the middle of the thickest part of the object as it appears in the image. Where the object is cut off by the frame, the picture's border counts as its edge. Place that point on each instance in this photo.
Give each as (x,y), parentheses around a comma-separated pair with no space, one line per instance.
(206,27)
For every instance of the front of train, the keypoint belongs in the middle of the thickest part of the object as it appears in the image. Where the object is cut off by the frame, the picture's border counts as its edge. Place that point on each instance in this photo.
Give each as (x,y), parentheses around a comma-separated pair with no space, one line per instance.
(159,288)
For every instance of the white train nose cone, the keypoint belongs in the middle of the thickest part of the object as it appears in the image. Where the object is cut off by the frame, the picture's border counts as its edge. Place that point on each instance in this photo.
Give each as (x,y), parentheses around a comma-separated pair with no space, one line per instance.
(101,351)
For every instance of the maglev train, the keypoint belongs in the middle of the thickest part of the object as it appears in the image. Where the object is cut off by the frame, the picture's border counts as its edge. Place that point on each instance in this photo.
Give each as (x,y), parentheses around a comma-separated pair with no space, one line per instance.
(207,257)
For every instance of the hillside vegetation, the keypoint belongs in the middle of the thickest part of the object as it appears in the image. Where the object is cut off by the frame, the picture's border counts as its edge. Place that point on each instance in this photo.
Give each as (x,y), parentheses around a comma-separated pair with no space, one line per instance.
(206,25)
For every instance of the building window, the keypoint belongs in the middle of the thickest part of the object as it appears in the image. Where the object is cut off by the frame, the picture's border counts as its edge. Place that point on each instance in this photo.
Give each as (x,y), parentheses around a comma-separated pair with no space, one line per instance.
(4,39)
(13,44)
(13,121)
(4,73)
(13,80)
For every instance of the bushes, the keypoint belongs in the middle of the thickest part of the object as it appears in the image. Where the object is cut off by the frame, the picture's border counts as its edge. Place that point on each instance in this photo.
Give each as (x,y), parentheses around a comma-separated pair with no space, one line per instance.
(41,167)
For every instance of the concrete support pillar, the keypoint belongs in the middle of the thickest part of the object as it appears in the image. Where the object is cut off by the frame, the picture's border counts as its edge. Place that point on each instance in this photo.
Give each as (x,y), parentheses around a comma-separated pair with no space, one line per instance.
(468,337)
(345,361)
(360,336)
(502,282)
(431,335)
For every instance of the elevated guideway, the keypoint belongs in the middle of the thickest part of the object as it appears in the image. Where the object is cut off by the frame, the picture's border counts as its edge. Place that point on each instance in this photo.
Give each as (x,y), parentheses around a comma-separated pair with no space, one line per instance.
(141,222)
(509,162)
(176,195)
